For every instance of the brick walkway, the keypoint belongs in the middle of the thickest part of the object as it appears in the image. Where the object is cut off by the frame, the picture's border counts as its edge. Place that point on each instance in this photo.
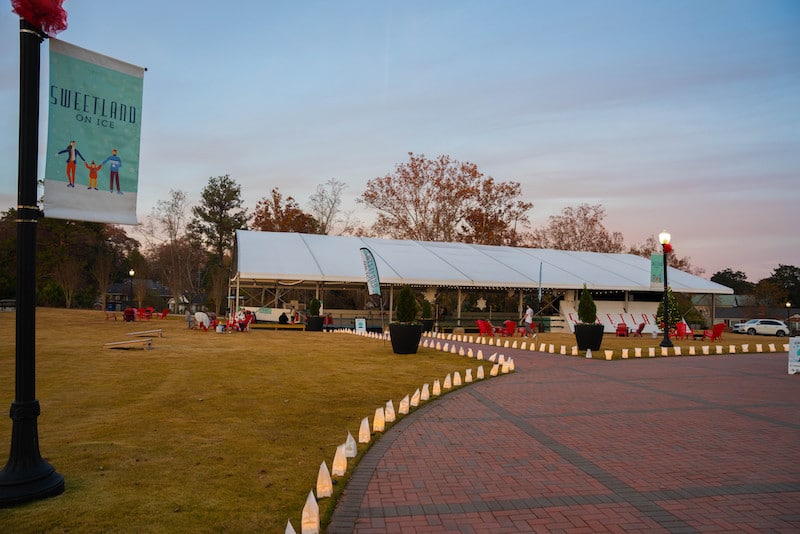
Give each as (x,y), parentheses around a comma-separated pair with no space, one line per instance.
(682,444)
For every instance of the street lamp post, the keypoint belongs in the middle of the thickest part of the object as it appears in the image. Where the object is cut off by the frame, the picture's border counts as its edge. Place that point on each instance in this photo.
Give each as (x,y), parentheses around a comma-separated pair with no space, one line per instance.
(664,238)
(788,311)
(131,273)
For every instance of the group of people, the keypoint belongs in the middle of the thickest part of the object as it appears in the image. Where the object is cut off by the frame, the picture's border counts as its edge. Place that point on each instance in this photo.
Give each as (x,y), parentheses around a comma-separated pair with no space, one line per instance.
(114,162)
(240,321)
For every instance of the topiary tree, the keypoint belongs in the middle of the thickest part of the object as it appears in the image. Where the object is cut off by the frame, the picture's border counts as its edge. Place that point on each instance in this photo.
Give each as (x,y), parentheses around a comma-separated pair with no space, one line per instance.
(406,306)
(313,307)
(587,309)
(427,309)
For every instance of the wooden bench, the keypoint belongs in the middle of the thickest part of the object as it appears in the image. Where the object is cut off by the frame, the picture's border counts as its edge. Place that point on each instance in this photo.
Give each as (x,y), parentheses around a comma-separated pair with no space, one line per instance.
(158,331)
(146,343)
(276,326)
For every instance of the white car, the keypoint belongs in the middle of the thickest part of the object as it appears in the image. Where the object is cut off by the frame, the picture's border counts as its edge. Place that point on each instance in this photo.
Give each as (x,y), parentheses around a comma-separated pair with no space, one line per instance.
(765,327)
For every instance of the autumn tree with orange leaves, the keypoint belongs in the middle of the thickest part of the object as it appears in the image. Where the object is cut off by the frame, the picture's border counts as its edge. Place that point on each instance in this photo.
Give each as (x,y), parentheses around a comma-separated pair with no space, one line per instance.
(443,199)
(276,214)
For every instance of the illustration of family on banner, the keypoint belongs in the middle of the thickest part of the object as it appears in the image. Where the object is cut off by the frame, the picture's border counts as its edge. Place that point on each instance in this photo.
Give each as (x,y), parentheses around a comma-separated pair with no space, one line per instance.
(93,137)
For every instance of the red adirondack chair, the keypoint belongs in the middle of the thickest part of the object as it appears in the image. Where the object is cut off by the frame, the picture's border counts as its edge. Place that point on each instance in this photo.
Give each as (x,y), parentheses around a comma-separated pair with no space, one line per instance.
(682,331)
(638,331)
(715,334)
(485,328)
(509,327)
(622,330)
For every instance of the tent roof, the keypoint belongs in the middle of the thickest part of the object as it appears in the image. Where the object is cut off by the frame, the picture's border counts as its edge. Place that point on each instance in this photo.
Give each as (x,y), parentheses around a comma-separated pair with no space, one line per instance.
(292,258)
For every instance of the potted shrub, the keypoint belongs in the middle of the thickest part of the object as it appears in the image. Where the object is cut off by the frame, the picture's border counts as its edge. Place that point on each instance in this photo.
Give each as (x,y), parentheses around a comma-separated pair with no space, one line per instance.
(427,316)
(314,323)
(406,331)
(588,334)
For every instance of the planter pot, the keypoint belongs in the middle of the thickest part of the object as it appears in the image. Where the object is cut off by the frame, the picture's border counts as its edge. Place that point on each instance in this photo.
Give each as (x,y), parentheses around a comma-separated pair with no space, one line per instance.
(589,336)
(405,337)
(427,325)
(314,324)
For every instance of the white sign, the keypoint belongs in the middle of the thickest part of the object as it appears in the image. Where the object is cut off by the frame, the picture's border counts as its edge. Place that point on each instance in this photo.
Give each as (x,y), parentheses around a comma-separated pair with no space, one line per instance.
(794,355)
(361,324)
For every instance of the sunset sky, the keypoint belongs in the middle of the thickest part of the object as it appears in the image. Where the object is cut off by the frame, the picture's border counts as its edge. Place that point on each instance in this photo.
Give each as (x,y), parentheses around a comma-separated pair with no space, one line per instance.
(677,115)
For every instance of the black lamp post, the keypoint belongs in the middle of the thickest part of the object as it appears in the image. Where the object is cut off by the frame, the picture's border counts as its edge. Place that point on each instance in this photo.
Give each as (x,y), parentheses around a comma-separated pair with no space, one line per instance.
(131,273)
(27,476)
(664,238)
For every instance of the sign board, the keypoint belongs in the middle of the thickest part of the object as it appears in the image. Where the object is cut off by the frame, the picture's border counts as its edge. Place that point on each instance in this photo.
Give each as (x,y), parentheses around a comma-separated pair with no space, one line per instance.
(656,272)
(794,355)
(361,324)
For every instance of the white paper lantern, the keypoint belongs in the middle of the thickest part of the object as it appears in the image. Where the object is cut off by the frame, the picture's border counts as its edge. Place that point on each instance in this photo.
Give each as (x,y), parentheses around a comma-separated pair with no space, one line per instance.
(403,405)
(289,528)
(468,376)
(415,398)
(350,447)
(339,466)
(437,388)
(310,520)
(388,412)
(495,370)
(456,379)
(447,382)
(324,483)
(363,431)
(480,372)
(379,421)
(426,393)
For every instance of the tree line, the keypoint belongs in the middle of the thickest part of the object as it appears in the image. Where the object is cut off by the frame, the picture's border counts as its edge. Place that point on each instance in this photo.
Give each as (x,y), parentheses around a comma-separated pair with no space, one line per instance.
(189,249)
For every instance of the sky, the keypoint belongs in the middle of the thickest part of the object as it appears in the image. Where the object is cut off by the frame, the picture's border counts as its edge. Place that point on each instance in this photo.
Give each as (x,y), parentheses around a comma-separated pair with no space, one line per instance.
(676,115)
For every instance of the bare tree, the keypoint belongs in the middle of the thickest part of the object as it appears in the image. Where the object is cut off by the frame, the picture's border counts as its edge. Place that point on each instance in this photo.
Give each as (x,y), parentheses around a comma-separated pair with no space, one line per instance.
(326,203)
(170,216)
(579,228)
(102,272)
(68,275)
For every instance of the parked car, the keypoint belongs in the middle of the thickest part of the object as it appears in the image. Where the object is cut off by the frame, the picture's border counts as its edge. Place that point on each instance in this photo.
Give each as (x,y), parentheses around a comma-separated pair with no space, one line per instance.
(765,327)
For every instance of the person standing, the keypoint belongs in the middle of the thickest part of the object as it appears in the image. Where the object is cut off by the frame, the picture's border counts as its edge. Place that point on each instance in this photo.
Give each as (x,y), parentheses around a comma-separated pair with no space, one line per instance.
(113,176)
(72,157)
(527,321)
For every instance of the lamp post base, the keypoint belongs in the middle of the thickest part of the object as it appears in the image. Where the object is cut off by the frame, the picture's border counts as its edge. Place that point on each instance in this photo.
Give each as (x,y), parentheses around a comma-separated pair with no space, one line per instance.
(27,477)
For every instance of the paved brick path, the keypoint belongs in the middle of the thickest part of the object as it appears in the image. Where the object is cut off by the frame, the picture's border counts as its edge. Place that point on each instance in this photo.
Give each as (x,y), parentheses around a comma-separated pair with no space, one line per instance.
(682,444)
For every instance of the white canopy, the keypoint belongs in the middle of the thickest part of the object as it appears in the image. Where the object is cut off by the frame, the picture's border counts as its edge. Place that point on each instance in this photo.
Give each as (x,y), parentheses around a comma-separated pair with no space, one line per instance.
(291,258)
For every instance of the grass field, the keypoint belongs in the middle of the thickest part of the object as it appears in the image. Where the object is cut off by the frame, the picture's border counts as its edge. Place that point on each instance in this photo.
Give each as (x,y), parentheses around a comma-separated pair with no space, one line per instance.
(209,432)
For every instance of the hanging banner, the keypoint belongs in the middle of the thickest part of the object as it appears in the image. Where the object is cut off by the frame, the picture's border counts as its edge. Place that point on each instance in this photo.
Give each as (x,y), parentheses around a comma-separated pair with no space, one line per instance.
(371,269)
(93,137)
(657,272)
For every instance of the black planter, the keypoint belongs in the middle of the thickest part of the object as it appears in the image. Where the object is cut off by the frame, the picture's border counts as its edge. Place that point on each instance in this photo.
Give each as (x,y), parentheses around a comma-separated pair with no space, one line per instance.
(427,325)
(314,324)
(589,336)
(405,337)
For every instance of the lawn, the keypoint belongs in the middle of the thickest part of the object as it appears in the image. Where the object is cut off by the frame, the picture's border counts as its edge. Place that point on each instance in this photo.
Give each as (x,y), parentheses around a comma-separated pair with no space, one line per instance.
(212,432)
(207,432)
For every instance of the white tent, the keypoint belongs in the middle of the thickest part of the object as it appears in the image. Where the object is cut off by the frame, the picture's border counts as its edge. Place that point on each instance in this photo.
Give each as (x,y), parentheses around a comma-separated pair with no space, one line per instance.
(306,260)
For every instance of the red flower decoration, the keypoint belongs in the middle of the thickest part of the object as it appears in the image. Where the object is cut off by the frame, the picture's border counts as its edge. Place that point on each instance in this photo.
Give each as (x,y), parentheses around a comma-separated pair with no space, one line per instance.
(667,248)
(47,15)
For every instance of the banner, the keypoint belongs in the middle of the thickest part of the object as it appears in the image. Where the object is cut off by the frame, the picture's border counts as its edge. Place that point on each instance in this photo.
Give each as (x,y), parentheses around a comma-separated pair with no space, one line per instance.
(794,355)
(371,269)
(657,272)
(93,137)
